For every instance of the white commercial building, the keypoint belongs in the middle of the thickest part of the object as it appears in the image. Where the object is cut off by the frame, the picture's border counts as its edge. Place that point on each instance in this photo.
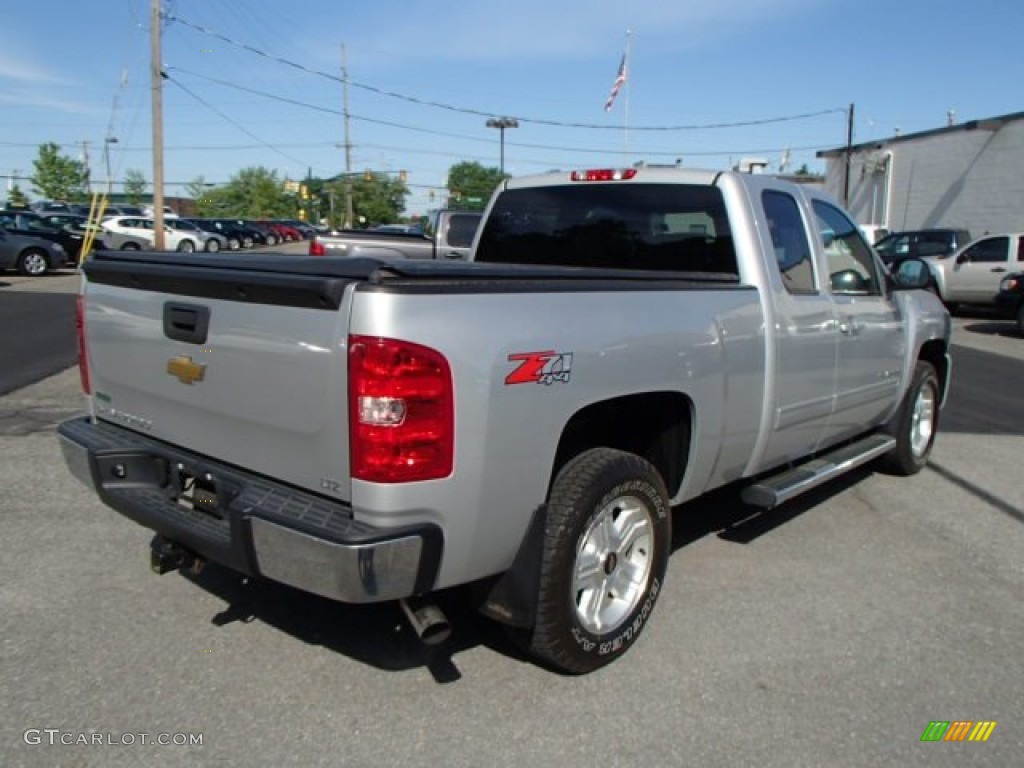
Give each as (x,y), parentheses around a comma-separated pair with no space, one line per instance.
(965,176)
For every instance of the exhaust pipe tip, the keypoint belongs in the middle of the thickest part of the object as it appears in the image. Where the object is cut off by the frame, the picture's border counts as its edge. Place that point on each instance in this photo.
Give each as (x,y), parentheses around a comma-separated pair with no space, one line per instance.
(428,622)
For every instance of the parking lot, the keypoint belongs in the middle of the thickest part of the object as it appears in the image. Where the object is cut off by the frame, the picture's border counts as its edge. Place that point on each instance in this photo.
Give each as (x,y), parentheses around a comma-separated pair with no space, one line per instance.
(829,631)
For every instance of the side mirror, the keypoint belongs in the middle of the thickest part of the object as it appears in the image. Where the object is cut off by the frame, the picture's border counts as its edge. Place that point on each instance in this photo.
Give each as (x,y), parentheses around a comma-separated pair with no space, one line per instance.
(913,274)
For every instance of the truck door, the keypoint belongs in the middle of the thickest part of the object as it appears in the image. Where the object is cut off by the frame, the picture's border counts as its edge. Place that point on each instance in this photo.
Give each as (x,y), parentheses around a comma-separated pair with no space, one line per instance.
(872,341)
(978,269)
(806,336)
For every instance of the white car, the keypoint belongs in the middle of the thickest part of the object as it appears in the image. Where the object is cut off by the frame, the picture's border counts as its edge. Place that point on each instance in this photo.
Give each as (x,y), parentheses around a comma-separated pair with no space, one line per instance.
(974,273)
(168,212)
(211,241)
(174,240)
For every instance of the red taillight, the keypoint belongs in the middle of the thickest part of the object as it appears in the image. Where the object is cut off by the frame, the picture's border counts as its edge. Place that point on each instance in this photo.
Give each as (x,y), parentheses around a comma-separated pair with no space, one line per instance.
(316,248)
(603,174)
(83,358)
(401,411)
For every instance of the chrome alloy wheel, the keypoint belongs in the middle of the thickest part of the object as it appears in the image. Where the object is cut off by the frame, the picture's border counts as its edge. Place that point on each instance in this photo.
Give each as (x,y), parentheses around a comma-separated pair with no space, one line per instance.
(613,563)
(922,421)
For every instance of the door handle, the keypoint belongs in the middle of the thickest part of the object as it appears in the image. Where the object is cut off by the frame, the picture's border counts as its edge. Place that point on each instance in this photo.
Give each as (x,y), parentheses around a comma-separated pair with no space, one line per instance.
(848,327)
(998,269)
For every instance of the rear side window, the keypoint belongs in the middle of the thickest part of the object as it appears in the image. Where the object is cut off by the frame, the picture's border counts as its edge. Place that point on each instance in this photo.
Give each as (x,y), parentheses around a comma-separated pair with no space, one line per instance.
(661,227)
(991,250)
(462,228)
(789,240)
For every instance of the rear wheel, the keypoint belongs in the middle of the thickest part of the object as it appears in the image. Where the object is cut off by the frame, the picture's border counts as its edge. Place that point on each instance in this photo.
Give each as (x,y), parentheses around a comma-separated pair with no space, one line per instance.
(212,246)
(271,240)
(187,246)
(233,243)
(33,262)
(606,546)
(914,424)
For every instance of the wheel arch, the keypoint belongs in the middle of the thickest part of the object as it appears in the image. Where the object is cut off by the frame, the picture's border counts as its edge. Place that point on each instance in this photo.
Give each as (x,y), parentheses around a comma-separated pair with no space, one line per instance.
(655,425)
(934,352)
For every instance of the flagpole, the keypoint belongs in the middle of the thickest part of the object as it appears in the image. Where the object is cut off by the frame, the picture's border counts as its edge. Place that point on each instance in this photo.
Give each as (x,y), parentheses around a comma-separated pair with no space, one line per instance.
(629,88)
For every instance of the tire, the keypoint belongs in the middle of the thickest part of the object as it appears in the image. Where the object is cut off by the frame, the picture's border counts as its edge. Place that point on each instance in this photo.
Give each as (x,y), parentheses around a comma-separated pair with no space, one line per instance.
(271,240)
(130,247)
(212,246)
(186,246)
(233,243)
(914,424)
(247,243)
(33,262)
(608,526)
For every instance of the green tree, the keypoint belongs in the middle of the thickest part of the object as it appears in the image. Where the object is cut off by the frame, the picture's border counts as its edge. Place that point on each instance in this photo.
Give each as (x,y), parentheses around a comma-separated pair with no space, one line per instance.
(377,198)
(470,185)
(16,198)
(59,177)
(252,193)
(201,193)
(135,185)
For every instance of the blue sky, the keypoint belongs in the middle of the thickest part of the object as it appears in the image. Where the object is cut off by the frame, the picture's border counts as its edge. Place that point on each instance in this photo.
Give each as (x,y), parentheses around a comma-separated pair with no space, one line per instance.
(73,72)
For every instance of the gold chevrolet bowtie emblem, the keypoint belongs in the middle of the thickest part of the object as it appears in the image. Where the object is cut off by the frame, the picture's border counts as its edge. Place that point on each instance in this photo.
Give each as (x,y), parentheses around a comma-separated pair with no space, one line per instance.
(185,370)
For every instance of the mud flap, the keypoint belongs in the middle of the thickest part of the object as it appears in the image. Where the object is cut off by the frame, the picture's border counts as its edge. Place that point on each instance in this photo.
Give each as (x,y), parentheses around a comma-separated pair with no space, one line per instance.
(513,598)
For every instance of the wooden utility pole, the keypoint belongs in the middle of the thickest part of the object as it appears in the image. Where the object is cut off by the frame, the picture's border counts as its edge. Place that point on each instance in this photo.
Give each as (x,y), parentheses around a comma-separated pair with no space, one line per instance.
(156,74)
(849,151)
(347,224)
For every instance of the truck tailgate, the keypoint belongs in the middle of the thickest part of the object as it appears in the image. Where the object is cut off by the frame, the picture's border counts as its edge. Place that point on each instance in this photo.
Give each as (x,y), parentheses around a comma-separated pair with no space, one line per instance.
(232,360)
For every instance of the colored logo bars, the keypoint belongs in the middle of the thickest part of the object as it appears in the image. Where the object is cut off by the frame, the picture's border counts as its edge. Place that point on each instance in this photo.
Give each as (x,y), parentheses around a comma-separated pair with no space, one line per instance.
(958,730)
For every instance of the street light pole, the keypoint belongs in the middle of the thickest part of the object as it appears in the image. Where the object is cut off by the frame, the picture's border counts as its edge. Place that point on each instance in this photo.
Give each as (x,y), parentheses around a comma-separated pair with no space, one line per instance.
(501,123)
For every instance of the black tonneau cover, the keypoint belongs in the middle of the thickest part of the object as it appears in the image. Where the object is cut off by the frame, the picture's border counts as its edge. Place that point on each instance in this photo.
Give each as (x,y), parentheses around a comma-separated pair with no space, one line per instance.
(319,282)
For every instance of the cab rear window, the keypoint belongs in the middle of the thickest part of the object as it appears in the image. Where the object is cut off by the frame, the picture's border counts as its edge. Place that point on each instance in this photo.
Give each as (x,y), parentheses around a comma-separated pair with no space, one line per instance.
(661,227)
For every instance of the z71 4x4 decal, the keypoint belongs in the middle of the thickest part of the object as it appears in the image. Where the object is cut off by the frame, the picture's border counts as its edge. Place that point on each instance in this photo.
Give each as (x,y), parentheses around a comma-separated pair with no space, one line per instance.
(540,368)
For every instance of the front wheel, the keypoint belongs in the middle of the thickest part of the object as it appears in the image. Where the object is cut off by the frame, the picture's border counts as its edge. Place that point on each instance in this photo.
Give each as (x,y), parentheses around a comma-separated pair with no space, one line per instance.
(914,424)
(33,262)
(187,246)
(606,547)
(212,246)
(271,240)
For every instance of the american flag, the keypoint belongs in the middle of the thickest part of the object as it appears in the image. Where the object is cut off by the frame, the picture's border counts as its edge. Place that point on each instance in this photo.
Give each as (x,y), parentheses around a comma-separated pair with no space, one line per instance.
(620,80)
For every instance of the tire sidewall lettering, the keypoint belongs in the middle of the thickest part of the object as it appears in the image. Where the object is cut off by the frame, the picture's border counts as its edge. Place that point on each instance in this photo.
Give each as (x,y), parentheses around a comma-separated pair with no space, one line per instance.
(627,634)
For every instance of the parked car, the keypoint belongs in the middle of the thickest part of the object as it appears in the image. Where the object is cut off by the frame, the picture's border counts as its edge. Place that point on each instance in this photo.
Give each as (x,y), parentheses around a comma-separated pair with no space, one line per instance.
(169,213)
(307,230)
(237,236)
(270,237)
(1010,299)
(30,255)
(33,225)
(285,233)
(123,241)
(973,275)
(211,241)
(922,243)
(174,240)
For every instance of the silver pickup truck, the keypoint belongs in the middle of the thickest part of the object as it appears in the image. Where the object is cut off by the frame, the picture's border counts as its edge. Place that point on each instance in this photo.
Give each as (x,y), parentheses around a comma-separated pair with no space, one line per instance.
(449,235)
(620,343)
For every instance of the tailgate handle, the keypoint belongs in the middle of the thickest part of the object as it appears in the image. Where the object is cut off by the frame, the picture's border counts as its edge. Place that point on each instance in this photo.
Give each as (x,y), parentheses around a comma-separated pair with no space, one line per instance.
(186,322)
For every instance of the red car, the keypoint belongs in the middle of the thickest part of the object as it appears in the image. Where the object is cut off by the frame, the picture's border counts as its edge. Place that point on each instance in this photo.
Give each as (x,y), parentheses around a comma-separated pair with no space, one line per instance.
(283,231)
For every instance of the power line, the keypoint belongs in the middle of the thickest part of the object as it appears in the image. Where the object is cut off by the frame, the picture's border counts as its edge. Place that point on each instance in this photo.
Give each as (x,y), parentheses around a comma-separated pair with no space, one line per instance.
(240,127)
(465,137)
(480,113)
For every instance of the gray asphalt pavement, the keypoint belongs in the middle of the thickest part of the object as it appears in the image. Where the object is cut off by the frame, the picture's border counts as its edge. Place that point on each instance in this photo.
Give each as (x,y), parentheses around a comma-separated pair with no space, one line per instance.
(828,632)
